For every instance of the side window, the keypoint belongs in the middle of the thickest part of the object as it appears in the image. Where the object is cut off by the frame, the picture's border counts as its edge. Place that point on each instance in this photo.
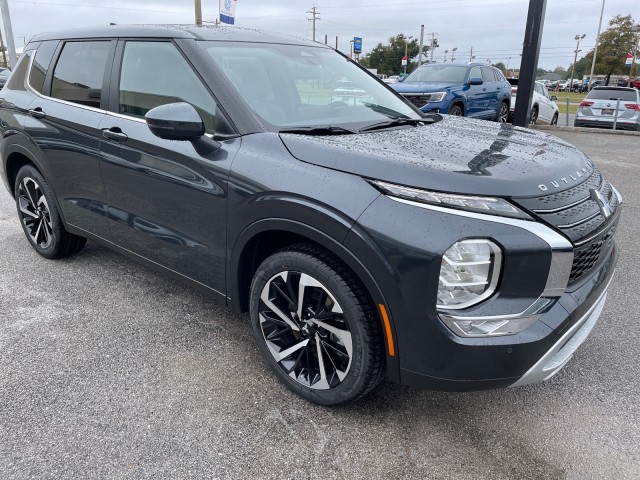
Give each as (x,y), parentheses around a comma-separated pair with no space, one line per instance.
(487,74)
(19,74)
(499,76)
(79,73)
(155,73)
(539,89)
(475,73)
(41,64)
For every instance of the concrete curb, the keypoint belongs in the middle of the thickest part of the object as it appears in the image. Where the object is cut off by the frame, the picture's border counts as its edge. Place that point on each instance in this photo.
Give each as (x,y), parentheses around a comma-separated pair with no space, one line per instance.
(598,131)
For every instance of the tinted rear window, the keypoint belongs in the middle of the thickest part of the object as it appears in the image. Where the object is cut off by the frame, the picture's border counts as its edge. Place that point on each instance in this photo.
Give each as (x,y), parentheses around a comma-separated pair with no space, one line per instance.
(79,72)
(613,94)
(41,64)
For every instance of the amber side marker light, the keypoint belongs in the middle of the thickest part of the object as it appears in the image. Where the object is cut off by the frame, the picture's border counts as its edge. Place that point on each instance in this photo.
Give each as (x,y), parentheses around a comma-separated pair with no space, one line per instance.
(387,328)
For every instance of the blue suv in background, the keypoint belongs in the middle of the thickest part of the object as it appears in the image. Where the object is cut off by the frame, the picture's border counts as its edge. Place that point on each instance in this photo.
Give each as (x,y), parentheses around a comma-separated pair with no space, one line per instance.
(474,90)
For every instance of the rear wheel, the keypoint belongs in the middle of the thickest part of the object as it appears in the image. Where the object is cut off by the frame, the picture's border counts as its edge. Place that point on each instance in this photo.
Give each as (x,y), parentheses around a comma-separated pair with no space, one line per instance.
(39,216)
(315,326)
(503,113)
(534,116)
(456,111)
(554,120)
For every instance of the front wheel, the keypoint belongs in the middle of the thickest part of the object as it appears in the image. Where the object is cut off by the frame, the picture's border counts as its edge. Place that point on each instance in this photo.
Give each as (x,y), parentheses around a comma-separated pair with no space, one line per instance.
(39,216)
(503,113)
(456,111)
(315,326)
(534,116)
(554,120)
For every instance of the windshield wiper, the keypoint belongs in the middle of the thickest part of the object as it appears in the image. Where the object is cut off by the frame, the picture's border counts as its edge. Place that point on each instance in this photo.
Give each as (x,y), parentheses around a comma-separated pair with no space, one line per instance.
(397,122)
(318,130)
(385,111)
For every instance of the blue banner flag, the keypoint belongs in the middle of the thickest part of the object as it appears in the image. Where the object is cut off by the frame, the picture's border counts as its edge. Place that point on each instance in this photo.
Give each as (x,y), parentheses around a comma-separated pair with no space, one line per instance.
(228,11)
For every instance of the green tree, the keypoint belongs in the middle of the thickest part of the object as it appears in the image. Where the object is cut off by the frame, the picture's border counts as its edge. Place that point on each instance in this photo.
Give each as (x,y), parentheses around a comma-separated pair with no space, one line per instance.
(560,71)
(613,47)
(583,67)
(500,66)
(388,58)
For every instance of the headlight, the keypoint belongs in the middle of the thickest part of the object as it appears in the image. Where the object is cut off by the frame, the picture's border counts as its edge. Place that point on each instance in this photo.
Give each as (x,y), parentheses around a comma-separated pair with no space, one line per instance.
(469,273)
(489,205)
(434,97)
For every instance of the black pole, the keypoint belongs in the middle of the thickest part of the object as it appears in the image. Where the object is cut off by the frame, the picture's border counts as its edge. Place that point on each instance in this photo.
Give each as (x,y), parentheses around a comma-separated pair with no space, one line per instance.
(529,63)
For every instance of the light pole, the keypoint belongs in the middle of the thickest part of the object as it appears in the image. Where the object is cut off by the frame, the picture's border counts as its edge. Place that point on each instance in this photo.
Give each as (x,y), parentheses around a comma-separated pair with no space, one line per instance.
(471,56)
(635,51)
(573,67)
(445,55)
(453,54)
(406,51)
(595,50)
(508,60)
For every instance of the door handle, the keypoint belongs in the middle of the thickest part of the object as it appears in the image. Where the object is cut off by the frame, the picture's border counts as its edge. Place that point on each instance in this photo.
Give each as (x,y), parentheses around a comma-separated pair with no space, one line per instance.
(114,133)
(37,113)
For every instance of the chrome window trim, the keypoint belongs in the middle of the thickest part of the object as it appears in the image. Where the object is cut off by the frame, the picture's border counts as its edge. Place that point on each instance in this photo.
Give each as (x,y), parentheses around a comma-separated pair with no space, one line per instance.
(561,248)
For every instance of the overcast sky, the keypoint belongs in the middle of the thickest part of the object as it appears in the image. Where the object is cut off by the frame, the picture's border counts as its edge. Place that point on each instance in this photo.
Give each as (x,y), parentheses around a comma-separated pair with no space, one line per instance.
(495,28)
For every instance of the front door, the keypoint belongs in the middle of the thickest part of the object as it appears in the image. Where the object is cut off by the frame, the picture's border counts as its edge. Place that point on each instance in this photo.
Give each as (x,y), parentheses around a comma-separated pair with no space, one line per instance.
(167,203)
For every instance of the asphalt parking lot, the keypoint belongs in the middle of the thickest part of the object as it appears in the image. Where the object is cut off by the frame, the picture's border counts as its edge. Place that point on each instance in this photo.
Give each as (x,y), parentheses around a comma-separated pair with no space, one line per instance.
(110,370)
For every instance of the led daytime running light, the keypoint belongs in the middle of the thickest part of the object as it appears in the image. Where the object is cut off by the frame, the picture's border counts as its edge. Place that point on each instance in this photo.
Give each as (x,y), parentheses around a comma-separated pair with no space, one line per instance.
(488,205)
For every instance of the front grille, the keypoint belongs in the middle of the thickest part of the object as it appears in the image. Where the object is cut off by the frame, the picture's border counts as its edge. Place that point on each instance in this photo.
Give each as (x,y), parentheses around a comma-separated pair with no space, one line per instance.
(577,214)
(418,100)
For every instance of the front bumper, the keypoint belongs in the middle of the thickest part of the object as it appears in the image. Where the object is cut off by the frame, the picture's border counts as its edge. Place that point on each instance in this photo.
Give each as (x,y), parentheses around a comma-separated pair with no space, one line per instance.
(429,354)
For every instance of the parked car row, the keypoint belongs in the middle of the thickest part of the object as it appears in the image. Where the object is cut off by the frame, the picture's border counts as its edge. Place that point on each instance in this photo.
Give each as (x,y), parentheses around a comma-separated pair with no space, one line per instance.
(544,109)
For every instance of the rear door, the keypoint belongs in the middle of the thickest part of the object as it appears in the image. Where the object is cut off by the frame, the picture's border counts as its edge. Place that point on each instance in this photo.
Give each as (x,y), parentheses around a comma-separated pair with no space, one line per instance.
(491,93)
(67,111)
(167,203)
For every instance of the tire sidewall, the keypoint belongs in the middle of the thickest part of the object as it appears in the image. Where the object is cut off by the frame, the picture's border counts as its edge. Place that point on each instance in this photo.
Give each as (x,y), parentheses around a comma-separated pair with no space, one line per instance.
(353,313)
(52,250)
(454,108)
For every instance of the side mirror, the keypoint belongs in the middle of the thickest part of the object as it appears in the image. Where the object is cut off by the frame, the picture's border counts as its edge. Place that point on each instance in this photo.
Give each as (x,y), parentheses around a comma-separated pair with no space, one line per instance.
(475,81)
(175,121)
(554,98)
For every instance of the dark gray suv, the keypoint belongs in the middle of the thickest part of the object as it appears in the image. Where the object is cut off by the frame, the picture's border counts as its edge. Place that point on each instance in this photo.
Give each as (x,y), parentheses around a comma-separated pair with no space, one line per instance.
(367,240)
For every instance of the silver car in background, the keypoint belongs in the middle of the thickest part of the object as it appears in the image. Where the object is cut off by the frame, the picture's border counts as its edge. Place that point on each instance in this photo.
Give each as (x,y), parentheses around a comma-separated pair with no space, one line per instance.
(544,110)
(598,109)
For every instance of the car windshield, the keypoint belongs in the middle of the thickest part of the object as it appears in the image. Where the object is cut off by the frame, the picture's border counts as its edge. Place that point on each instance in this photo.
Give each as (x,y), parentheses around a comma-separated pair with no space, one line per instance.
(612,94)
(306,86)
(439,73)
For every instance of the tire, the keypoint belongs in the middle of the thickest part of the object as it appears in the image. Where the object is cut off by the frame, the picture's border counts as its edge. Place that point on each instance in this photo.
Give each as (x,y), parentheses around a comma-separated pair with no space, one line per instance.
(332,338)
(534,116)
(502,116)
(39,216)
(456,111)
(554,120)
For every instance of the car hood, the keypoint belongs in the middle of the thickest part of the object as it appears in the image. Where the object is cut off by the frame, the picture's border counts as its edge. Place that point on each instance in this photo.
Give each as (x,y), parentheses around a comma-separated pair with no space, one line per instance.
(427,87)
(458,155)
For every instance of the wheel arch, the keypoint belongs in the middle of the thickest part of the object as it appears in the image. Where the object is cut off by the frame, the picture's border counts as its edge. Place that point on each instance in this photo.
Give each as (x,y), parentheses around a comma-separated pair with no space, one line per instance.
(264,237)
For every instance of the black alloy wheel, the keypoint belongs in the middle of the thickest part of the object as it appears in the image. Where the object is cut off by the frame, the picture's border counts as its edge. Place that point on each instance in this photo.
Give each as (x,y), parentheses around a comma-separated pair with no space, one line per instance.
(534,116)
(503,113)
(39,216)
(456,111)
(314,326)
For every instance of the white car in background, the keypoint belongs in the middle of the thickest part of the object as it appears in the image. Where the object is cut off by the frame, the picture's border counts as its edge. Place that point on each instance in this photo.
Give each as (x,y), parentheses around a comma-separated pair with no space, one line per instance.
(392,79)
(544,110)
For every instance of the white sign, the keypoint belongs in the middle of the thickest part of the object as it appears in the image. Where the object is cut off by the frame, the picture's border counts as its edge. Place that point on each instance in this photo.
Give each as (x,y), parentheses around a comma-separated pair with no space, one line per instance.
(228,11)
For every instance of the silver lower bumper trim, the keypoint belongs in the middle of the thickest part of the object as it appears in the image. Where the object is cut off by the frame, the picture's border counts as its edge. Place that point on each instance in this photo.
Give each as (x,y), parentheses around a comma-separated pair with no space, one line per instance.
(557,357)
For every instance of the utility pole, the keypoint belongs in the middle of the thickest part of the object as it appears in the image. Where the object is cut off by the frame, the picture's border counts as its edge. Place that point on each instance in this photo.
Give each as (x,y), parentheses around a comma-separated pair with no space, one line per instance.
(4,52)
(595,51)
(314,17)
(445,55)
(8,31)
(575,58)
(421,45)
(471,54)
(198,6)
(453,54)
